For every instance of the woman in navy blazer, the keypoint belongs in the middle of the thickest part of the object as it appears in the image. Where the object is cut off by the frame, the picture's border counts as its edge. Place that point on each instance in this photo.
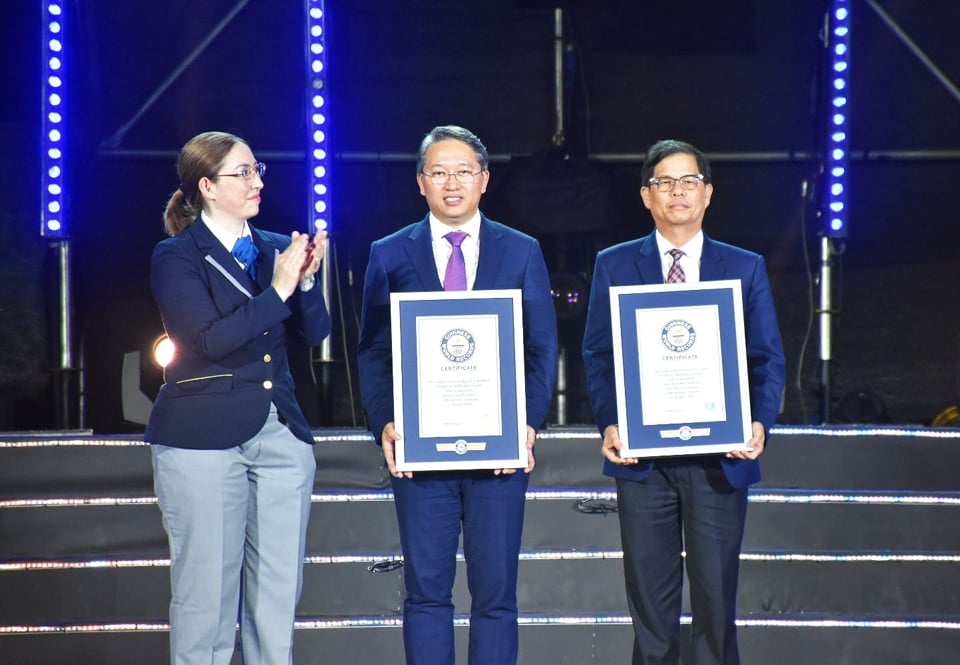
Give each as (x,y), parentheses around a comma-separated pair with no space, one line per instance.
(232,456)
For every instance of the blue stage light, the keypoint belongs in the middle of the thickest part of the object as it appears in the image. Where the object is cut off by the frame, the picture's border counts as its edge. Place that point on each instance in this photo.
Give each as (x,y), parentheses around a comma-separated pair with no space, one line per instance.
(837,152)
(53,139)
(317,121)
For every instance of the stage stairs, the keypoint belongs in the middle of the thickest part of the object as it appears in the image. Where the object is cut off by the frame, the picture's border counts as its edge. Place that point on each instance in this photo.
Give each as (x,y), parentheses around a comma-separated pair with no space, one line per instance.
(850,557)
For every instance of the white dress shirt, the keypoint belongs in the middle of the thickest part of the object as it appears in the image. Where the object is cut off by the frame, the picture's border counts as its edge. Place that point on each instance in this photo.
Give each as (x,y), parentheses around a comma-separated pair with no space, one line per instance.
(442,249)
(690,261)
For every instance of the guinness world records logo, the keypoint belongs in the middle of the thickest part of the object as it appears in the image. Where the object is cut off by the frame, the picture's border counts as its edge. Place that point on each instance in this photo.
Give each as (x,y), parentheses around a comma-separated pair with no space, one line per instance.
(458,345)
(678,335)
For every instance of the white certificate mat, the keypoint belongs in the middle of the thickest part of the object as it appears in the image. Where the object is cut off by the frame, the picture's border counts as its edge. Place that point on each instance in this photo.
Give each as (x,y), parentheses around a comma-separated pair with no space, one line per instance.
(458,380)
(681,368)
(459,374)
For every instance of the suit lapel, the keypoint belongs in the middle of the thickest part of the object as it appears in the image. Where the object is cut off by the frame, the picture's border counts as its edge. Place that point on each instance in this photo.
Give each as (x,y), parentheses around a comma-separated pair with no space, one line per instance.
(215,254)
(266,260)
(648,263)
(419,249)
(712,265)
(492,253)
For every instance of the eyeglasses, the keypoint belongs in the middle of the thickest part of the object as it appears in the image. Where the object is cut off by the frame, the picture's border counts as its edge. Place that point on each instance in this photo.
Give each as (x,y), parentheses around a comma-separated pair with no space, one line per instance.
(464,176)
(246,172)
(666,183)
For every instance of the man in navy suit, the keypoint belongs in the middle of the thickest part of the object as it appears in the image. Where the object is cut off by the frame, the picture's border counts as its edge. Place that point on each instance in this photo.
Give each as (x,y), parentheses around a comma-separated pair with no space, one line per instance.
(432,507)
(696,503)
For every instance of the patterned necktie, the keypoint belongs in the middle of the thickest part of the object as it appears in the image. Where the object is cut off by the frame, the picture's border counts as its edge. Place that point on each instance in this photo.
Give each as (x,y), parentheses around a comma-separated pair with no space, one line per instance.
(455,279)
(246,253)
(675,275)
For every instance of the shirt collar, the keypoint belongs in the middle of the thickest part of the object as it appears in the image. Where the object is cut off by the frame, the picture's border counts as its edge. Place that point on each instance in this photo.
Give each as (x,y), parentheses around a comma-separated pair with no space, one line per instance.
(693,249)
(226,238)
(438,229)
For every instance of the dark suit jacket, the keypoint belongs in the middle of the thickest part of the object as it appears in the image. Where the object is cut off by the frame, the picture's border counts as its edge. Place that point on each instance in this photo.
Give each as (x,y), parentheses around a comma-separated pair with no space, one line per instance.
(638,262)
(404,262)
(231,342)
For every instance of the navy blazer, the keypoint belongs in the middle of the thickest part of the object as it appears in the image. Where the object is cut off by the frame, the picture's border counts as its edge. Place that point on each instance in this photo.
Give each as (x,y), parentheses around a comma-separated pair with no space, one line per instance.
(404,262)
(230,335)
(638,262)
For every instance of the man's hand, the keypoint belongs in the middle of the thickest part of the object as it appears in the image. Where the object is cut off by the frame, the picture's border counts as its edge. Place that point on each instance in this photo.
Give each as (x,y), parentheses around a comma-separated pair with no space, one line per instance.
(531,462)
(387,439)
(755,445)
(612,445)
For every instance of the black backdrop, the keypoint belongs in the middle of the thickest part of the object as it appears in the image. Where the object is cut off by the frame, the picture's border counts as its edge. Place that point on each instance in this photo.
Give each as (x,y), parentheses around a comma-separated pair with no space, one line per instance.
(740,80)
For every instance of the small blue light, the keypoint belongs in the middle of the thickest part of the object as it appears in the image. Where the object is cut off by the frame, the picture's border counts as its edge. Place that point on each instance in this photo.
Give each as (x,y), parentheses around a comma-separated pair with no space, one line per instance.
(54,99)
(841,13)
(321,206)
(839,83)
(55,45)
(53,225)
(315,31)
(320,171)
(840,66)
(839,102)
(841,32)
(838,171)
(836,206)
(838,137)
(836,224)
(836,189)
(838,154)
(840,49)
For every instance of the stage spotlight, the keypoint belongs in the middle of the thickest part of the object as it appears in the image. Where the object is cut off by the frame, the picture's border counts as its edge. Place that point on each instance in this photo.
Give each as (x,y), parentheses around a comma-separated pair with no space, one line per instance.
(569,294)
(163,350)
(142,376)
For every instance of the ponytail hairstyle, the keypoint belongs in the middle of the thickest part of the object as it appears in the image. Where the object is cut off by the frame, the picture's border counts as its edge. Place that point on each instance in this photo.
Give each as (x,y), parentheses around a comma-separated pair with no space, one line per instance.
(201,157)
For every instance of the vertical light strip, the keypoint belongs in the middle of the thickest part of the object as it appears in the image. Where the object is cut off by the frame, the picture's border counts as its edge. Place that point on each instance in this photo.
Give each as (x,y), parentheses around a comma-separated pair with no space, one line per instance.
(837,135)
(317,117)
(52,123)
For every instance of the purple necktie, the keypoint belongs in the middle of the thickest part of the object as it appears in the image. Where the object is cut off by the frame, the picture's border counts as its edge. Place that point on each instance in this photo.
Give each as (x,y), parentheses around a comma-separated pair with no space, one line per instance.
(455,279)
(675,274)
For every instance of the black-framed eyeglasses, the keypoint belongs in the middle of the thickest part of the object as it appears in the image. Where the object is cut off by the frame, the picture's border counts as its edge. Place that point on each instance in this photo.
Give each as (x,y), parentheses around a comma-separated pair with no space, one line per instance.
(666,183)
(463,176)
(246,172)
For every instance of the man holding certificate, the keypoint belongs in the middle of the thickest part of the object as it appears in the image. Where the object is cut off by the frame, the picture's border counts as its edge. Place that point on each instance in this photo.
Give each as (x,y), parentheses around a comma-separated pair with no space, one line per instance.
(457,248)
(695,502)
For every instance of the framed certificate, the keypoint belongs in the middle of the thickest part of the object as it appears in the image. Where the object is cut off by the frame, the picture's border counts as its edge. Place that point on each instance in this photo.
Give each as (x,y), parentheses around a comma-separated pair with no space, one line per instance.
(458,380)
(681,368)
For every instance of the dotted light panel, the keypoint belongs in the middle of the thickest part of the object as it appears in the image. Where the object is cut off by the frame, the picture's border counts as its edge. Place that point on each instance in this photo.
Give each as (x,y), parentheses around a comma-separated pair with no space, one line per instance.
(52,123)
(837,136)
(317,125)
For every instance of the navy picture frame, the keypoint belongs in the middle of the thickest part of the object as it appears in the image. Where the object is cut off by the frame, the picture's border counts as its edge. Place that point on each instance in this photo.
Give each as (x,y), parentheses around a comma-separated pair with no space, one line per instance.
(721,419)
(474,418)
